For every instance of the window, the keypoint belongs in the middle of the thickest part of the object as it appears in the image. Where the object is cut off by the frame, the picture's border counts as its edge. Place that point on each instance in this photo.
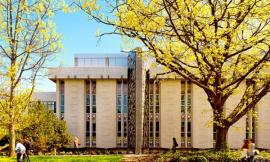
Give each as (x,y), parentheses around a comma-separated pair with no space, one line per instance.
(251,119)
(62,99)
(154,116)
(90,104)
(122,110)
(186,132)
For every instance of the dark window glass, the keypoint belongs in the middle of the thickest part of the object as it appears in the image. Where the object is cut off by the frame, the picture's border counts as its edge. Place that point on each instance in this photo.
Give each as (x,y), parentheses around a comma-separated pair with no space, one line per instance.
(88,109)
(189,127)
(88,99)
(119,126)
(151,126)
(94,100)
(157,126)
(157,109)
(182,126)
(94,127)
(94,109)
(157,99)
(54,107)
(87,126)
(125,126)
(119,100)
(118,109)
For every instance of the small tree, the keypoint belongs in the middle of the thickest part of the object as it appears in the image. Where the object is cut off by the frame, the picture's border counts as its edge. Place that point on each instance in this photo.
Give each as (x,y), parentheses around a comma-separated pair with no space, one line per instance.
(216,44)
(27,41)
(45,130)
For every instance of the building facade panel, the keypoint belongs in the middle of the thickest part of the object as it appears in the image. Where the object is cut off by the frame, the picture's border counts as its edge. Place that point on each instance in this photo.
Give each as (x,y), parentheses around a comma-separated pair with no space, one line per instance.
(170,120)
(202,113)
(263,127)
(106,113)
(237,131)
(74,108)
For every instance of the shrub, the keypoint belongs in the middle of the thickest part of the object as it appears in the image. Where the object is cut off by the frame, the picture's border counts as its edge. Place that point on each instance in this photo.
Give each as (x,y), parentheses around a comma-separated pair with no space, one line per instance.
(45,130)
(198,158)
(208,155)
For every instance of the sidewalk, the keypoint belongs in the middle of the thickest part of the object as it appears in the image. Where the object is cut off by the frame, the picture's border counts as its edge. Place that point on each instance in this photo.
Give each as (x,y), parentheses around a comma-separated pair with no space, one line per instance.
(138,158)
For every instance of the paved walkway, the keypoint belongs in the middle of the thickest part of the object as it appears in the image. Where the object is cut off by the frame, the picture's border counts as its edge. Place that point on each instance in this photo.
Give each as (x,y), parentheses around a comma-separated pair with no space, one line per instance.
(138,158)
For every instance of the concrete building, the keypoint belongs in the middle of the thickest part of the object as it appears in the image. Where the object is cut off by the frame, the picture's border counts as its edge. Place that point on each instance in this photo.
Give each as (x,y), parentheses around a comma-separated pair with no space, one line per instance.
(115,101)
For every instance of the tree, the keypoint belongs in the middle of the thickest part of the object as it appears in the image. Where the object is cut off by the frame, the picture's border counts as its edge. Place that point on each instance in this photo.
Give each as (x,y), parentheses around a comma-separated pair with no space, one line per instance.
(27,41)
(216,44)
(45,129)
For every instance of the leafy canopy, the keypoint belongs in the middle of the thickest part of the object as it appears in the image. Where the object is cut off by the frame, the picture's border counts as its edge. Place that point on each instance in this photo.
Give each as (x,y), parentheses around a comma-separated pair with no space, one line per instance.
(217,44)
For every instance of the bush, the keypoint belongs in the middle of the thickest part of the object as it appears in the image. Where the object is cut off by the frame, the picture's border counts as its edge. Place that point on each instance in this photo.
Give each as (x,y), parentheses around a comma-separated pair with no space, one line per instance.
(45,130)
(208,155)
(198,158)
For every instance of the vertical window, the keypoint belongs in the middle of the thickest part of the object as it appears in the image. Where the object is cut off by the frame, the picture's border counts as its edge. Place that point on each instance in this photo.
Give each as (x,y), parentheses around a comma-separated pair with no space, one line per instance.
(94,103)
(90,109)
(62,99)
(251,117)
(251,125)
(214,134)
(186,133)
(154,109)
(121,110)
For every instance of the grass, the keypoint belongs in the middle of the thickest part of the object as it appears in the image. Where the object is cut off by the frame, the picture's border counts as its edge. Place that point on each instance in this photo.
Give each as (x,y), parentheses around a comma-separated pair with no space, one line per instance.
(94,158)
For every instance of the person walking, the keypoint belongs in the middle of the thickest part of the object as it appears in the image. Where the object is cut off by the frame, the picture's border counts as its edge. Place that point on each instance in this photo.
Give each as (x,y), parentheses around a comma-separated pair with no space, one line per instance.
(20,151)
(27,145)
(175,144)
(76,143)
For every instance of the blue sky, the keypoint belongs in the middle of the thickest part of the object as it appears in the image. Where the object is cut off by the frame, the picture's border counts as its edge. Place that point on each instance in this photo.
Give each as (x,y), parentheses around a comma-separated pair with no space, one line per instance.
(79,36)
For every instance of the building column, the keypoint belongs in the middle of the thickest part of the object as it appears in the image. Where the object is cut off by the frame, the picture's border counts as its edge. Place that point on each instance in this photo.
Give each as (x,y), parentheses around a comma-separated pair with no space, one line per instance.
(263,123)
(75,108)
(136,97)
(106,114)
(202,121)
(170,112)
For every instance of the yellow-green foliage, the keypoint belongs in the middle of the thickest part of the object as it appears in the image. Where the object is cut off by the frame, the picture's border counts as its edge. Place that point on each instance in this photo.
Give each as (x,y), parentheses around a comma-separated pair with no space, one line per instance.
(28,40)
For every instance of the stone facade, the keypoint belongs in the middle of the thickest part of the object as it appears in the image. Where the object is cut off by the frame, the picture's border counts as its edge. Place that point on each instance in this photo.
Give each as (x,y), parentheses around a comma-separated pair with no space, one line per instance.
(202,113)
(74,108)
(202,133)
(170,112)
(106,113)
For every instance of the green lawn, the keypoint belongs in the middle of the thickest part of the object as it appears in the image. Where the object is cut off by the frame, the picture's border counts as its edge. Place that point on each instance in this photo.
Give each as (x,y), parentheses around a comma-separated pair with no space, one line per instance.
(94,158)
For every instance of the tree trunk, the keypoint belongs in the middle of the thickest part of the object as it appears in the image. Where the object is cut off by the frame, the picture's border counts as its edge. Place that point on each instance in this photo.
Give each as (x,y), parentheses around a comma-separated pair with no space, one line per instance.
(11,140)
(221,143)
